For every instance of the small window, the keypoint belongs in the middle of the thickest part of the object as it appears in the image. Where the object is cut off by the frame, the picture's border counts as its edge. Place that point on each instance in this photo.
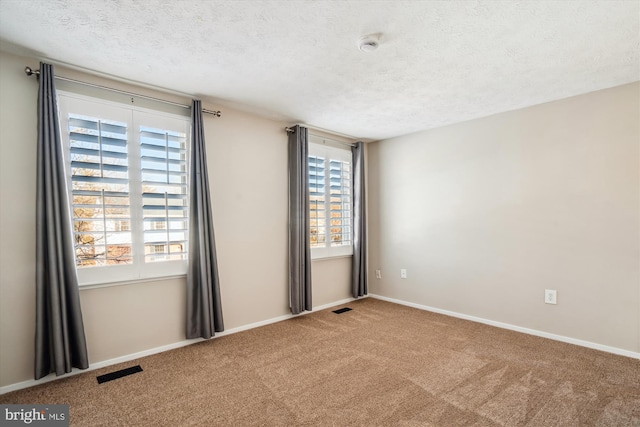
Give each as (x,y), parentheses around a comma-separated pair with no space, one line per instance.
(122,226)
(156,249)
(330,200)
(159,225)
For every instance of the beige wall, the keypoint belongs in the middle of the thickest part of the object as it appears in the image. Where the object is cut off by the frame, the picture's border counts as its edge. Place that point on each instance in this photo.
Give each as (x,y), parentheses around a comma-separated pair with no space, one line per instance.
(487,214)
(247,159)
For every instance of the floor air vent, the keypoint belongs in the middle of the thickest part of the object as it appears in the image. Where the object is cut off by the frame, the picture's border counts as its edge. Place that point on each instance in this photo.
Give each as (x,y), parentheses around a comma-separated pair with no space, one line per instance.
(341,310)
(118,374)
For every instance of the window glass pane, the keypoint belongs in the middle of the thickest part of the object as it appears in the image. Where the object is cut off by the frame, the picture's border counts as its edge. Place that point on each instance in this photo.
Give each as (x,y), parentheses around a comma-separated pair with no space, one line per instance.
(99,190)
(340,203)
(317,200)
(164,193)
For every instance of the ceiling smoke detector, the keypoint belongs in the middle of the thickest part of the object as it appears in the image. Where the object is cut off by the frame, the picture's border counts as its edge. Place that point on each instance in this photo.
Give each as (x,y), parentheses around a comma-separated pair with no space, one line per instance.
(369,43)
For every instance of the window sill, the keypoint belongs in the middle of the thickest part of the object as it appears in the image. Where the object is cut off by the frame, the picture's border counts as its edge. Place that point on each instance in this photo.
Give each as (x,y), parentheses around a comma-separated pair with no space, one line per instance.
(129,282)
(330,257)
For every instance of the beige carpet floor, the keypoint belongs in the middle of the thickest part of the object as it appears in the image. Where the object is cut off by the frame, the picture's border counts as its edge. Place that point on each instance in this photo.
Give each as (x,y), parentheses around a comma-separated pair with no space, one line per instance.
(380,364)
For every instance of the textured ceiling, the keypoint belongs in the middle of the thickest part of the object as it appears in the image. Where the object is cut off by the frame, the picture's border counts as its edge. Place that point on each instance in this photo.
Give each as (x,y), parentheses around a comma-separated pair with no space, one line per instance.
(439,62)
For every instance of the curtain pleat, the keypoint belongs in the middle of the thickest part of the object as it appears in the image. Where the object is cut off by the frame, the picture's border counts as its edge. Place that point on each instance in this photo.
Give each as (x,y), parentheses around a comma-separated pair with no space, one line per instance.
(299,250)
(204,306)
(359,261)
(60,343)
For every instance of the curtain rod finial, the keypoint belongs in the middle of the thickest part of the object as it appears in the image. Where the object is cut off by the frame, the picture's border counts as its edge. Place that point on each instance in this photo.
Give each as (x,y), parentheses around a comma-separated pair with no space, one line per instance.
(29,71)
(215,113)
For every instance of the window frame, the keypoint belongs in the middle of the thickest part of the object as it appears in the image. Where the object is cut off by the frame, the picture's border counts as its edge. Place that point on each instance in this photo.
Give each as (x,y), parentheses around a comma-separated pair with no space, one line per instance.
(134,117)
(330,150)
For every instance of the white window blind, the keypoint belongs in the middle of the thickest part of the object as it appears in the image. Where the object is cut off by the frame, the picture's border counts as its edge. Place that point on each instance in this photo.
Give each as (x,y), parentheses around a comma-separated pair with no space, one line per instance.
(100,190)
(330,200)
(164,193)
(317,201)
(127,171)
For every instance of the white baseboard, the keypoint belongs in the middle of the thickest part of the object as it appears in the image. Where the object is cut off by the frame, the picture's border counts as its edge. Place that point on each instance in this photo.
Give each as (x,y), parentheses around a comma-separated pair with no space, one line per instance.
(537,333)
(151,351)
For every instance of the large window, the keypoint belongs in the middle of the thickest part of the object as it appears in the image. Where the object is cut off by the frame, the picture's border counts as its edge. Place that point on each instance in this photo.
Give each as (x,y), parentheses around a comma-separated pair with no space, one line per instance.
(127,172)
(330,200)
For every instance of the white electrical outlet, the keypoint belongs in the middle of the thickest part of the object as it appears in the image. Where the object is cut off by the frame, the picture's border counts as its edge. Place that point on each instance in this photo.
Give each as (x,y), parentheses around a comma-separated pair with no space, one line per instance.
(378,274)
(403,273)
(550,296)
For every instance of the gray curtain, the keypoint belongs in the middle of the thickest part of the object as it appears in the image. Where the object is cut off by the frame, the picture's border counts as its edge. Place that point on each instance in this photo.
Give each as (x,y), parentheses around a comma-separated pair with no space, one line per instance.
(359,261)
(204,307)
(60,342)
(299,252)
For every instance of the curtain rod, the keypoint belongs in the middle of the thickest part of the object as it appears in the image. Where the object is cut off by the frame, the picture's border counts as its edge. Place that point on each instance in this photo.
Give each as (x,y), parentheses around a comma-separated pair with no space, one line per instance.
(349,144)
(29,72)
(319,129)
